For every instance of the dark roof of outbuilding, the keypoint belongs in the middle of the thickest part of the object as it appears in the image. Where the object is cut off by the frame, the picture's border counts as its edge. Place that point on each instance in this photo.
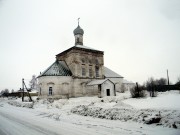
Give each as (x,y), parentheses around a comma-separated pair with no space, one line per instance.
(58,68)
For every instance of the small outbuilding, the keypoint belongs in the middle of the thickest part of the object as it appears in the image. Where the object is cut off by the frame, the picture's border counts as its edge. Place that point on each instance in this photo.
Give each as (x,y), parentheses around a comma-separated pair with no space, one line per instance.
(105,87)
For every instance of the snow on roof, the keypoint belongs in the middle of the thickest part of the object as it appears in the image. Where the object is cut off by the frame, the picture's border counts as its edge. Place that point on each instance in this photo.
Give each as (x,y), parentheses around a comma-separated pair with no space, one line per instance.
(96,82)
(127,82)
(85,47)
(58,68)
(111,74)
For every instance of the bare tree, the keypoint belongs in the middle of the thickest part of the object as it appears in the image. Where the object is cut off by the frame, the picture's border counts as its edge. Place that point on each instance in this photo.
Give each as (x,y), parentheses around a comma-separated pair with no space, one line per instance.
(161,81)
(150,86)
(5,93)
(33,82)
(137,91)
(12,91)
(178,81)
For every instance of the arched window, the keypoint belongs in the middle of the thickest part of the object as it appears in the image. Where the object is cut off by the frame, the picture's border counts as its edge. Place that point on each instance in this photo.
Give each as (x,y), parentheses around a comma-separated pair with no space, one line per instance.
(97,62)
(83,71)
(90,71)
(90,61)
(97,71)
(83,61)
(50,91)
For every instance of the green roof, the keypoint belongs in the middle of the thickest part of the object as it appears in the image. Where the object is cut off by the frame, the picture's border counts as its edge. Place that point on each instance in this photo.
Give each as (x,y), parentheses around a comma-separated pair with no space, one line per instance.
(58,68)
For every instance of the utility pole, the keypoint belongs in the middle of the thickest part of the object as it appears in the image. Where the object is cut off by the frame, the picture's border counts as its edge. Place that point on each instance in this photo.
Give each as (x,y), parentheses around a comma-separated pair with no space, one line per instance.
(23,90)
(167,77)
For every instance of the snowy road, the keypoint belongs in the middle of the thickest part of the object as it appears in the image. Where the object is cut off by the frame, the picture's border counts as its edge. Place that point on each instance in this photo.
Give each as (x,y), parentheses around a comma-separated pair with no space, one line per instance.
(13,126)
(18,121)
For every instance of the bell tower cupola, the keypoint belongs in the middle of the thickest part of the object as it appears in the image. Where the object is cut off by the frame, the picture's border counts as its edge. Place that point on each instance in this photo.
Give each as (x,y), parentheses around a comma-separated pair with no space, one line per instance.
(78,34)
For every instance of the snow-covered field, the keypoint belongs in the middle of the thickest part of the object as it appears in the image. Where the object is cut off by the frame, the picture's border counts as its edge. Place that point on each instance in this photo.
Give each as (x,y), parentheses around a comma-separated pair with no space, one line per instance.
(92,115)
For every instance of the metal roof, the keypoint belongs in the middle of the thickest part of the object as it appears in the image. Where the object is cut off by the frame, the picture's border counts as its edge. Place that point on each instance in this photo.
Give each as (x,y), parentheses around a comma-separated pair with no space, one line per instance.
(78,30)
(111,74)
(58,68)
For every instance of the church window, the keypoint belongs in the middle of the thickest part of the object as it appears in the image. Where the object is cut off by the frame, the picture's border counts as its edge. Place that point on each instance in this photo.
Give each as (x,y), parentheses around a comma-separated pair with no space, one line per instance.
(50,90)
(83,61)
(90,61)
(97,71)
(97,62)
(90,72)
(83,71)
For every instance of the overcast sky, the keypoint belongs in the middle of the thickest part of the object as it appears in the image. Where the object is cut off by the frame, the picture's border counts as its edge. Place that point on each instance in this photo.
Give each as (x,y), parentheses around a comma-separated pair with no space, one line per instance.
(140,38)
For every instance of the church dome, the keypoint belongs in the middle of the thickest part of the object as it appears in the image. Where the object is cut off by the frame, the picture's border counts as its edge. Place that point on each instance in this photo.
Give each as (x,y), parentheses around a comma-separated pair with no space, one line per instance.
(78,30)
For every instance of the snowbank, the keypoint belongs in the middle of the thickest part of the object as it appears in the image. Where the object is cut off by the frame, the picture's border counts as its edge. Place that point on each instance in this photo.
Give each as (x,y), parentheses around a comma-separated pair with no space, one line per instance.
(127,113)
(21,104)
(164,108)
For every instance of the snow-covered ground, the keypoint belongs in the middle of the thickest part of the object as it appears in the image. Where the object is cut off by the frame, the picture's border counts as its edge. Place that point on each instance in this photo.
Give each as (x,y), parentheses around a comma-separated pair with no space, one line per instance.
(165,100)
(109,115)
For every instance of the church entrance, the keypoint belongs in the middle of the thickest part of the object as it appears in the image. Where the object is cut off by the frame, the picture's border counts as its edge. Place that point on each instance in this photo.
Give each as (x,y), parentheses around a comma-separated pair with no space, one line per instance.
(108,92)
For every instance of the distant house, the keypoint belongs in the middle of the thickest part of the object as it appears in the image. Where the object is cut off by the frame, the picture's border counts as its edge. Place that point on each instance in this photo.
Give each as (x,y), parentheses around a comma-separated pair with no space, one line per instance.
(128,84)
(19,93)
(79,71)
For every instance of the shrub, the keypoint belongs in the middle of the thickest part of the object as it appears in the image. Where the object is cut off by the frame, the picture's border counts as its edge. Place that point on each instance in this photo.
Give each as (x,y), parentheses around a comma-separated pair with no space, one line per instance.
(137,91)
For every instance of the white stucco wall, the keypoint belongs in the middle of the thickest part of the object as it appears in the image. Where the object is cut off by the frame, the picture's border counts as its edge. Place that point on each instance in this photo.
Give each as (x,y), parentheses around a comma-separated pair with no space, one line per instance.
(107,85)
(118,82)
(61,86)
(65,86)
(81,89)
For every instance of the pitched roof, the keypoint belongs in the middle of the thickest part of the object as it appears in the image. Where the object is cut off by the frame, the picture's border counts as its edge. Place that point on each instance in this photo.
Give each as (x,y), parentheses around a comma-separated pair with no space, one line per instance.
(108,73)
(58,68)
(80,47)
(85,47)
(96,82)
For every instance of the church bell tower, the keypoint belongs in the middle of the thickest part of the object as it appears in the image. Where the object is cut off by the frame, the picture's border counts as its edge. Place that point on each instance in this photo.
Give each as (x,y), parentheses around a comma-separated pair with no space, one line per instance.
(78,34)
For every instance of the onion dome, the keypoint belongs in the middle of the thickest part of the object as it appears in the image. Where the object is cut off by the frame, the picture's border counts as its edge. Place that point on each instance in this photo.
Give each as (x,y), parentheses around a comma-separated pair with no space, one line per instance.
(78,30)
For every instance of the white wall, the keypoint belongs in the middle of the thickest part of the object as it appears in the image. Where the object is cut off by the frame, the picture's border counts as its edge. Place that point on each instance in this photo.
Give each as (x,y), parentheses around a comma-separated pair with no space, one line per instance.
(118,82)
(107,85)
(61,86)
(65,86)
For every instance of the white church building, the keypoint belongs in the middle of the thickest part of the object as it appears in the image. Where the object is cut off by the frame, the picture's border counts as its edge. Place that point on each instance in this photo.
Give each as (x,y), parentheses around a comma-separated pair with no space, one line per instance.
(79,71)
